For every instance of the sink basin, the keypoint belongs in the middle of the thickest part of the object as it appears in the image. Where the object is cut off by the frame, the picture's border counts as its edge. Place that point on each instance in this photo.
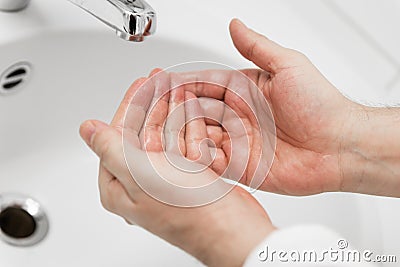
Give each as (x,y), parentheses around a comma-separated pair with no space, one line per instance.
(80,72)
(74,76)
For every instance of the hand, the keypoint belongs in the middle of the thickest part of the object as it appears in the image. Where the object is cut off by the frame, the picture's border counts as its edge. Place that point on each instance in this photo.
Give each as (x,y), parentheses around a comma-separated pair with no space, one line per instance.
(219,234)
(312,118)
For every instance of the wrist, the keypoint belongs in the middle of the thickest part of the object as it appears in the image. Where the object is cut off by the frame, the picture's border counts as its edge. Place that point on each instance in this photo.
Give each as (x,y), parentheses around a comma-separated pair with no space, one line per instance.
(228,235)
(370,152)
(233,249)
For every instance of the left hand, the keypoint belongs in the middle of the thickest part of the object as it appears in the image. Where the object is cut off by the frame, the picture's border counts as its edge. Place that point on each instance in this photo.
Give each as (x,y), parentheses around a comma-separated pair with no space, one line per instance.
(219,234)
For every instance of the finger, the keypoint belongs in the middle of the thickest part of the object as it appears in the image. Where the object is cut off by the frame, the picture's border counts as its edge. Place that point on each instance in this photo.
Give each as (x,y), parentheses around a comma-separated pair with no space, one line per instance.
(113,195)
(216,134)
(225,86)
(242,107)
(211,122)
(152,132)
(106,142)
(255,47)
(209,83)
(212,109)
(119,116)
(196,131)
(137,109)
(235,107)
(220,162)
(155,71)
(113,192)
(175,125)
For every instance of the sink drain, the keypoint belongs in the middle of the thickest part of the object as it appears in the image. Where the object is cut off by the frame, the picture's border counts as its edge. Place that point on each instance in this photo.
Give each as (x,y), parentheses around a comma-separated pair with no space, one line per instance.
(22,220)
(14,78)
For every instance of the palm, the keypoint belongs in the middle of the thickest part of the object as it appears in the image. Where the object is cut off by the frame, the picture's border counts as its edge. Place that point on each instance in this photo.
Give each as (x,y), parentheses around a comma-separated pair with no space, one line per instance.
(307,145)
(142,151)
(308,115)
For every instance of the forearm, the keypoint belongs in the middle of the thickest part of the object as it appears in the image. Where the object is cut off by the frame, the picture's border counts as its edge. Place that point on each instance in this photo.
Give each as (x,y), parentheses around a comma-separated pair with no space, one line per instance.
(370,156)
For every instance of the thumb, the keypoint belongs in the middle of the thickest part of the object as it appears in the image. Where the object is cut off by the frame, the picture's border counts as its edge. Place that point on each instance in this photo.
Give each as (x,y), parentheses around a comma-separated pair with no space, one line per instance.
(255,47)
(106,142)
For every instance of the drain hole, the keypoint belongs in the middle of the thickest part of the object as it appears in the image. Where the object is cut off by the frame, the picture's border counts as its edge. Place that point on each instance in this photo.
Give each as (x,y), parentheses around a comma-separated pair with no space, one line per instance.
(14,78)
(17,223)
(16,72)
(9,86)
(23,221)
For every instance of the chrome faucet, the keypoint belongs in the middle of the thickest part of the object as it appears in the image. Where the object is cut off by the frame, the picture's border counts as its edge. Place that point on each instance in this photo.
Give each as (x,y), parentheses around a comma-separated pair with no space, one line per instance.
(133,20)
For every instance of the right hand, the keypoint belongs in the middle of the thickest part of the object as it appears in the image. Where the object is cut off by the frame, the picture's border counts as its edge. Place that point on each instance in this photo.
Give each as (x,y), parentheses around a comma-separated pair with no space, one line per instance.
(312,117)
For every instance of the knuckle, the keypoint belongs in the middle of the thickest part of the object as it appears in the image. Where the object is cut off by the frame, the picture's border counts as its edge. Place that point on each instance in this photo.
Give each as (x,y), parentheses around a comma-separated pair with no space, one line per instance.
(103,145)
(254,47)
(297,55)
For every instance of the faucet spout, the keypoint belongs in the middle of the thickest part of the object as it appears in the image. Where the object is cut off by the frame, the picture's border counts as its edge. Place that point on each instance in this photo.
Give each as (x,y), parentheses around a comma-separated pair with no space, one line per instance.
(133,20)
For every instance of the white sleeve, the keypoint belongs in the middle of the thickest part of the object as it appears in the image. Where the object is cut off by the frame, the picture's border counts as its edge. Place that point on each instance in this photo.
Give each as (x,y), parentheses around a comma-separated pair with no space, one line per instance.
(306,245)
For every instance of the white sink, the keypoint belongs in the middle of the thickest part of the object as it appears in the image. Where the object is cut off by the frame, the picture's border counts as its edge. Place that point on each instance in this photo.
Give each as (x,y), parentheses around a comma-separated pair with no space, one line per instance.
(80,70)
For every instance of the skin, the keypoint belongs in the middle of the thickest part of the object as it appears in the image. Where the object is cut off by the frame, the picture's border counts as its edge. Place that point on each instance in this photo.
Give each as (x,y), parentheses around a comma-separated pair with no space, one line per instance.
(311,118)
(324,143)
(227,242)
